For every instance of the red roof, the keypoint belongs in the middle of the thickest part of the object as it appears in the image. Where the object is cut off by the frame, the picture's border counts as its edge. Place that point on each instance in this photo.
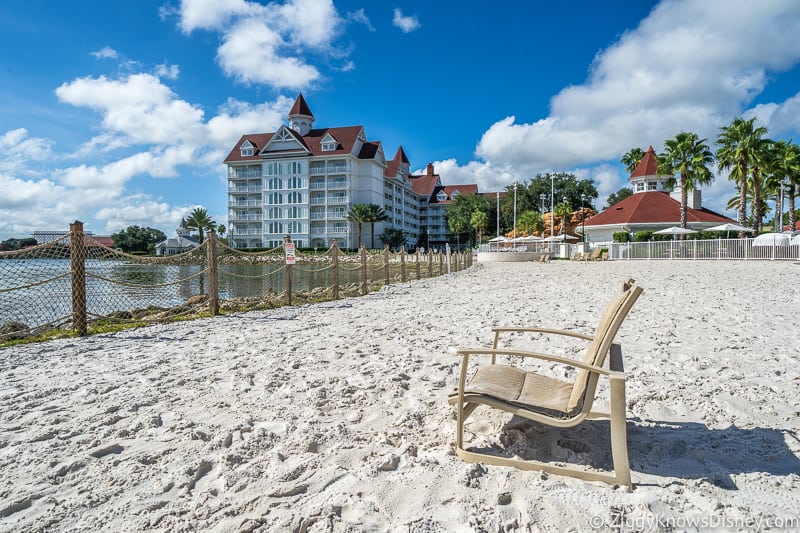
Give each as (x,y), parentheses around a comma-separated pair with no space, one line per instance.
(300,107)
(393,165)
(652,207)
(345,137)
(425,184)
(648,166)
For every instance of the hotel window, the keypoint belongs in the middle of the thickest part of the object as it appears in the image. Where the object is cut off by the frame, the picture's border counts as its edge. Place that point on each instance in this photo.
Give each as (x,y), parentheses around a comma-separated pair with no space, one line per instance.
(294,168)
(275,183)
(652,186)
(294,183)
(442,196)
(294,212)
(275,198)
(328,146)
(274,169)
(247,149)
(274,212)
(275,227)
(295,227)
(639,187)
(295,198)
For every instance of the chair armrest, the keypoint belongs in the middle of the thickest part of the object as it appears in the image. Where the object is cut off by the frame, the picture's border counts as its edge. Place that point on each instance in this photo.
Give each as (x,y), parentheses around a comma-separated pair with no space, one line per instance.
(566,333)
(545,357)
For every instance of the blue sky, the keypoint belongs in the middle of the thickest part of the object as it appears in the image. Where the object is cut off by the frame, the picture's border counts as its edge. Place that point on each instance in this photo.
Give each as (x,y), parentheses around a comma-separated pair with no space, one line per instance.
(120,113)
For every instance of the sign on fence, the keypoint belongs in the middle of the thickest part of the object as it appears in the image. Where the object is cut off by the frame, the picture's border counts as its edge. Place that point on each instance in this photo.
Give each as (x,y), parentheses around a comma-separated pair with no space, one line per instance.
(289,247)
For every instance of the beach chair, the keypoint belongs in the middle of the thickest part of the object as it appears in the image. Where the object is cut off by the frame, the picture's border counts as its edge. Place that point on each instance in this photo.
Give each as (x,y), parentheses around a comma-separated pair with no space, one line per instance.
(551,401)
(595,255)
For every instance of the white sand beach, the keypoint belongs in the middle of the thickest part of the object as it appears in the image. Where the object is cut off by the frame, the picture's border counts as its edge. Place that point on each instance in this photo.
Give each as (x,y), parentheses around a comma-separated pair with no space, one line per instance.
(334,417)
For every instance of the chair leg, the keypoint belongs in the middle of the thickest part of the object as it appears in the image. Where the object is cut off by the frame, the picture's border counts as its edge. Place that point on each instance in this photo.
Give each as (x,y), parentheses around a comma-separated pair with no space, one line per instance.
(619,433)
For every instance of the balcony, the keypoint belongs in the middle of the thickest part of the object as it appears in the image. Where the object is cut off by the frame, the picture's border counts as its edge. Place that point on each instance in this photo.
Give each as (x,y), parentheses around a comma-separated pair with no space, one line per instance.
(330,230)
(317,186)
(244,218)
(248,189)
(317,170)
(337,184)
(245,203)
(317,215)
(337,169)
(239,174)
(241,232)
(337,213)
(337,199)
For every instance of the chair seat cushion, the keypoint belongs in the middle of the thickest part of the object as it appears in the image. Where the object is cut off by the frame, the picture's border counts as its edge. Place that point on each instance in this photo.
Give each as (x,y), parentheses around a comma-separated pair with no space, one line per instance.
(521,388)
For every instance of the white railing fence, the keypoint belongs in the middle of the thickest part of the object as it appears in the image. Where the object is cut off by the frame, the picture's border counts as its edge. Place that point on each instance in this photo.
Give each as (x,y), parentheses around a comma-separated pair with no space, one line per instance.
(720,249)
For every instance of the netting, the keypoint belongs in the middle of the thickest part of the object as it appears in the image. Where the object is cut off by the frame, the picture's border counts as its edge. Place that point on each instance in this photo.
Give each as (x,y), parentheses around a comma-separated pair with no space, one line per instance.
(58,286)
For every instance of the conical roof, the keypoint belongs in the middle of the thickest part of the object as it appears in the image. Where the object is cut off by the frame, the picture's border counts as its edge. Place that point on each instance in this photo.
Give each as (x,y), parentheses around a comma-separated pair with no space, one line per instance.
(648,166)
(300,107)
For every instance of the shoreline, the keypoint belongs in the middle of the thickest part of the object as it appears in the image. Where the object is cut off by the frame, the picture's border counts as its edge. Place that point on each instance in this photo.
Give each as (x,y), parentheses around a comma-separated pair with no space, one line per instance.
(334,414)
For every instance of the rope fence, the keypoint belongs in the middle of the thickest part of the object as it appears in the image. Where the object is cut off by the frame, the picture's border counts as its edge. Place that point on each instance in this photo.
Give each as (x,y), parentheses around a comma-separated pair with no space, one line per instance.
(76,285)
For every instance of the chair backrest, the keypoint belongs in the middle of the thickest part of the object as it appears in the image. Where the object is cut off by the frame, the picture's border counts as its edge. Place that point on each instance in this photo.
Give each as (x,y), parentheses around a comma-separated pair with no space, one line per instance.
(610,322)
(596,253)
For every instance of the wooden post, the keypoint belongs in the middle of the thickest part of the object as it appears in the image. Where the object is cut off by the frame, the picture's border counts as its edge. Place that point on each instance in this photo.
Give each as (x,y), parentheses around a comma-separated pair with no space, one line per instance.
(430,263)
(77,256)
(213,282)
(335,268)
(418,265)
(403,264)
(441,264)
(385,264)
(363,251)
(287,272)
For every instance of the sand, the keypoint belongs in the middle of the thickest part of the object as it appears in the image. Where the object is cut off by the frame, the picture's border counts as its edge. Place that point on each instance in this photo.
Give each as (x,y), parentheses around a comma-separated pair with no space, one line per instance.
(333,416)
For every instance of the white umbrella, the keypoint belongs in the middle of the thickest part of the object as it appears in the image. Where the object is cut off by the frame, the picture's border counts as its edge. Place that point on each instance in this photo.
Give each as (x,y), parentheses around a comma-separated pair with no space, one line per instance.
(796,240)
(529,238)
(772,239)
(561,238)
(500,238)
(729,228)
(674,230)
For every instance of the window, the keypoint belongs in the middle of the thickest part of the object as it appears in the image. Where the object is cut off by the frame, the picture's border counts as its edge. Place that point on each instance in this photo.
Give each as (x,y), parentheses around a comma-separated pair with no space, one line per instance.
(276,227)
(294,168)
(275,183)
(294,212)
(275,198)
(328,146)
(274,212)
(247,149)
(454,194)
(294,183)
(295,227)
(652,186)
(295,198)
(442,196)
(274,169)
(639,187)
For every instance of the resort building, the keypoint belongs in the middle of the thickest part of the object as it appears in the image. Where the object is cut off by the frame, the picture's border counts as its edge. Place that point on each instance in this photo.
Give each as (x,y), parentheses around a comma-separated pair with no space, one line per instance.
(435,198)
(650,207)
(182,243)
(302,181)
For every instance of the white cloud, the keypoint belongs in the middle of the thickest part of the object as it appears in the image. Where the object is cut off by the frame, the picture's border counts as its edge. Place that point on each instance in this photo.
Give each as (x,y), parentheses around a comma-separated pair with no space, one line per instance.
(406,24)
(17,149)
(360,17)
(105,53)
(140,210)
(170,72)
(266,43)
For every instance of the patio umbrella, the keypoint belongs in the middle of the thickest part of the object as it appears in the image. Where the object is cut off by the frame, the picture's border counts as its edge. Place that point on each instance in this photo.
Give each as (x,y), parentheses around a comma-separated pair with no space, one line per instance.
(560,238)
(772,239)
(529,238)
(500,238)
(674,230)
(729,228)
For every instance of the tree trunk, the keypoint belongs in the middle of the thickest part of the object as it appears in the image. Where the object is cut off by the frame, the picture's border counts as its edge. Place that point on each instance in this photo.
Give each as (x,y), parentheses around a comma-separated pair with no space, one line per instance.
(757,215)
(743,196)
(791,208)
(684,200)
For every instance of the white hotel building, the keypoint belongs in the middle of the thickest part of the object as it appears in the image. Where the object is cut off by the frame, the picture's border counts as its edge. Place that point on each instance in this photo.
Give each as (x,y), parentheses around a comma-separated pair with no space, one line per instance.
(302,182)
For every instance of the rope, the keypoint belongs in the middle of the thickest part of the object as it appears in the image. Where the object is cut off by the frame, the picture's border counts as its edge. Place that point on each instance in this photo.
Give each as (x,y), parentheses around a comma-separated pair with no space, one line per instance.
(297,267)
(36,284)
(245,276)
(136,285)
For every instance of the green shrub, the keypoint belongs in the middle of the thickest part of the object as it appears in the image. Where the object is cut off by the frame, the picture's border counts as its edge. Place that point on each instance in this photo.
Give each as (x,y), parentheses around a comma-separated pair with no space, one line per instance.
(621,236)
(643,236)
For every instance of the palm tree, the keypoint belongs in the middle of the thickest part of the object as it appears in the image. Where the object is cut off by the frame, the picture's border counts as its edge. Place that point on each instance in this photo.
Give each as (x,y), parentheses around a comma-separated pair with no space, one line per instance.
(221,229)
(530,221)
(358,214)
(456,225)
(785,166)
(689,156)
(562,210)
(375,213)
(198,219)
(737,141)
(631,159)
(478,221)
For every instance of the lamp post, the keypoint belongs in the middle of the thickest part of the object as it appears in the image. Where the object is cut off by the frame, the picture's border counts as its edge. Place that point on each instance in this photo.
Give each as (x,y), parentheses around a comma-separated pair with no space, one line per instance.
(583,219)
(542,197)
(515,210)
(497,194)
(552,205)
(563,219)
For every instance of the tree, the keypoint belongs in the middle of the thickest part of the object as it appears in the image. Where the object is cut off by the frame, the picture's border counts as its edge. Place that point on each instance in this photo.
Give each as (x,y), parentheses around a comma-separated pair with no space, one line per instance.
(221,229)
(785,170)
(423,240)
(562,210)
(736,143)
(530,221)
(198,219)
(375,214)
(359,214)
(478,221)
(464,206)
(137,239)
(17,244)
(631,159)
(689,156)
(395,238)
(617,197)
(456,224)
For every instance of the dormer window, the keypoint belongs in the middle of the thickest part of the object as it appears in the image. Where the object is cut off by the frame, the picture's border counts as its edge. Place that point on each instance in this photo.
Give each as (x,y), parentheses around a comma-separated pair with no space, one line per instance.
(247,149)
(454,194)
(442,196)
(328,143)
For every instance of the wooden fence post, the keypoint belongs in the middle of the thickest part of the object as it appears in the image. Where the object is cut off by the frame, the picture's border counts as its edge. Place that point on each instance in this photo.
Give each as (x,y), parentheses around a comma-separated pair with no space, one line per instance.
(77,256)
(335,268)
(363,251)
(418,265)
(385,264)
(213,281)
(430,263)
(403,265)
(287,272)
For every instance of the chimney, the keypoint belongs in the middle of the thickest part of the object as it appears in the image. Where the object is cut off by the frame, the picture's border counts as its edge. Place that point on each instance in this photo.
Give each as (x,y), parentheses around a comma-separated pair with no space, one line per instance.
(429,169)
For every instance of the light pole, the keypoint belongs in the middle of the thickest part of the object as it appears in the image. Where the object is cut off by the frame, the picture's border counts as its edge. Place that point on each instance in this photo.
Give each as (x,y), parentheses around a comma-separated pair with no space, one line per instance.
(583,219)
(515,210)
(563,219)
(552,205)
(498,212)
(542,197)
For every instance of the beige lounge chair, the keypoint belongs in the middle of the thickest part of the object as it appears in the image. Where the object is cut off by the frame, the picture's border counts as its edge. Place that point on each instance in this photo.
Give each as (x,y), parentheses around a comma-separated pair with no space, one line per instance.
(595,255)
(552,401)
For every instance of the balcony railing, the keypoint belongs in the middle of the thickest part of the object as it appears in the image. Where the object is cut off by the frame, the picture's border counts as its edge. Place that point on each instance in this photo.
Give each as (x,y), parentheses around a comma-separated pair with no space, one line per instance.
(246,203)
(330,230)
(238,232)
(337,184)
(337,169)
(339,213)
(317,186)
(250,188)
(244,174)
(337,199)
(330,169)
